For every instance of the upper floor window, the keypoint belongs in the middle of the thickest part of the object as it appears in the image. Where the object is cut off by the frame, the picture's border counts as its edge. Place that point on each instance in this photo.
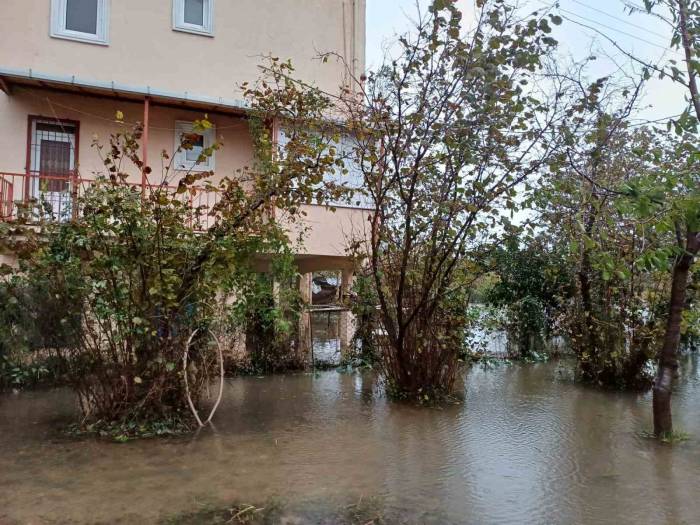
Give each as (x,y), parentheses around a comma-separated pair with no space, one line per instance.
(82,20)
(350,176)
(194,16)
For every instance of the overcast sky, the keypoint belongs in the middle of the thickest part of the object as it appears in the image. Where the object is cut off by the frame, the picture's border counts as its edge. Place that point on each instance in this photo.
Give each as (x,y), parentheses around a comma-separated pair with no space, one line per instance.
(641,34)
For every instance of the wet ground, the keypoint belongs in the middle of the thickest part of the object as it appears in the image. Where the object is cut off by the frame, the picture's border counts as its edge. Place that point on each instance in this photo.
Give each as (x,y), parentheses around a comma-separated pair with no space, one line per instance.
(527,446)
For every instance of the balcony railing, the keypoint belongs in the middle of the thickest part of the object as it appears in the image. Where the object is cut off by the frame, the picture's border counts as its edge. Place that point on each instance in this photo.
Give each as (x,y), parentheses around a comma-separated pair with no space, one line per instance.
(38,196)
(6,197)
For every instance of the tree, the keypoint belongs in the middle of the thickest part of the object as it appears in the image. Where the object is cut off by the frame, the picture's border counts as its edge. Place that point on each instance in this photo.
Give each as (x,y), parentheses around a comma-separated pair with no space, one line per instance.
(445,134)
(676,192)
(669,200)
(612,317)
(686,219)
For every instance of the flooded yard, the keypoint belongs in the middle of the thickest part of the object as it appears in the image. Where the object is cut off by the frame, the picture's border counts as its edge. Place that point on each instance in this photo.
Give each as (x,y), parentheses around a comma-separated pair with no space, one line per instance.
(527,446)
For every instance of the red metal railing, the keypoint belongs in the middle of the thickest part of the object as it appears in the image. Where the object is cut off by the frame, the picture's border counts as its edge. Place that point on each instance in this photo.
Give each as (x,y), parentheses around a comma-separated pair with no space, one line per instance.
(54,196)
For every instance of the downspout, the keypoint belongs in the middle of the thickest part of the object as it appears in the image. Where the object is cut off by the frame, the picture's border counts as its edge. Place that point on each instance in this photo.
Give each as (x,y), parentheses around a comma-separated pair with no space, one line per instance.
(346,81)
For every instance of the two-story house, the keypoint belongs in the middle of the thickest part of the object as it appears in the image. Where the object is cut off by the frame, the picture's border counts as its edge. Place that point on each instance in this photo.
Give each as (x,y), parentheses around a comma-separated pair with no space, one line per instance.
(68,66)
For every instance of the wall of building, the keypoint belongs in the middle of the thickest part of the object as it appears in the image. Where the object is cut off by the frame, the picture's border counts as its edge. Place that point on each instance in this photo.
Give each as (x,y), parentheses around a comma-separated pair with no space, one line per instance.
(144,50)
(331,232)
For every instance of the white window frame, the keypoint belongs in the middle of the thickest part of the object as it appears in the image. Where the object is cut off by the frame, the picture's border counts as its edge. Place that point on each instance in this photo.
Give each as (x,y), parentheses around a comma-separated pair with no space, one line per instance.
(354,179)
(179,24)
(180,161)
(58,24)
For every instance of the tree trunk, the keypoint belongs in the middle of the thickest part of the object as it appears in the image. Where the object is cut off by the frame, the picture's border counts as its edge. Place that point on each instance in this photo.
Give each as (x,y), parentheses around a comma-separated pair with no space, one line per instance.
(668,357)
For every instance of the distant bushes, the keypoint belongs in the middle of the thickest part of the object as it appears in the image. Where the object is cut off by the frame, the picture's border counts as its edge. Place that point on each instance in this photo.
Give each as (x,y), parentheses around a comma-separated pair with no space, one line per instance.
(533,282)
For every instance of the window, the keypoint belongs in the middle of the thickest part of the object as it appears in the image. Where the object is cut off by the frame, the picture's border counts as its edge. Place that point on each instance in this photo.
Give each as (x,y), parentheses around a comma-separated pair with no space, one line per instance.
(82,20)
(187,160)
(353,179)
(52,164)
(194,16)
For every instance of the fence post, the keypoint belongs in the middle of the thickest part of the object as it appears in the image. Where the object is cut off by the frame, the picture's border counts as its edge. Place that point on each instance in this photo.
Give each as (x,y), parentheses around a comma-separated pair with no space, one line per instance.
(190,202)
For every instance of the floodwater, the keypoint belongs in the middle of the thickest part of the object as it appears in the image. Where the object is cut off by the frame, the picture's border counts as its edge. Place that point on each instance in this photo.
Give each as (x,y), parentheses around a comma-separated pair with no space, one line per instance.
(527,446)
(325,338)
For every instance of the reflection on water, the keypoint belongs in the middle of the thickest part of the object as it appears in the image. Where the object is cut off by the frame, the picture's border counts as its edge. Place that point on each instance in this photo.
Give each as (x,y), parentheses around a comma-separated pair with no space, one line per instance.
(325,337)
(526,447)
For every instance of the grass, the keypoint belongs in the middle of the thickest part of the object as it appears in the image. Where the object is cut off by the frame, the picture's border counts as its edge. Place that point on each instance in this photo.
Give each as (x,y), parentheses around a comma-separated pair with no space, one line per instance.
(129,430)
(240,514)
(668,438)
(365,511)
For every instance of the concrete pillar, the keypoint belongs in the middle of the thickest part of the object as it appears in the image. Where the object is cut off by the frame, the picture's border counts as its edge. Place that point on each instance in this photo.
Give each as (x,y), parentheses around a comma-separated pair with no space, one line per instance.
(346,284)
(305,287)
(276,293)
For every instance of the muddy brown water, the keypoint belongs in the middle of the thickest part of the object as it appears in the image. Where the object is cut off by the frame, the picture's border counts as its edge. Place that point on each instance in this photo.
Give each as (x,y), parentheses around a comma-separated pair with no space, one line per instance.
(527,446)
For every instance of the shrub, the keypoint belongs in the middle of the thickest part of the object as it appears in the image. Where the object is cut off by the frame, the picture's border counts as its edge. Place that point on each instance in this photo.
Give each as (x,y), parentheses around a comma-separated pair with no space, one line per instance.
(533,282)
(139,282)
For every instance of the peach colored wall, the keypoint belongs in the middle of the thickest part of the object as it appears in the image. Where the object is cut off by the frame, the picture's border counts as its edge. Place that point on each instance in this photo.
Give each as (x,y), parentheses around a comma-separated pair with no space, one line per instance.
(329,232)
(144,50)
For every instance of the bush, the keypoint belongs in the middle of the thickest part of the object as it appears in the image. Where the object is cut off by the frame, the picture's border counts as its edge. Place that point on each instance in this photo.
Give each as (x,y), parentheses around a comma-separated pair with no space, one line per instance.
(120,269)
(424,367)
(268,314)
(35,329)
(533,282)
(135,276)
(444,138)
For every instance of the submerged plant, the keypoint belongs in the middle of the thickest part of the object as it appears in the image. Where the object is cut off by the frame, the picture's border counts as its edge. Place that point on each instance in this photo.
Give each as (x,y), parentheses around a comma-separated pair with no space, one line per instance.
(669,438)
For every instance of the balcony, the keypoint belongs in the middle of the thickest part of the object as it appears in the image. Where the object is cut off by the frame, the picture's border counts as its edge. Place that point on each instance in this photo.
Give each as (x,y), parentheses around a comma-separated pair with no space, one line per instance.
(34,197)
(39,196)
